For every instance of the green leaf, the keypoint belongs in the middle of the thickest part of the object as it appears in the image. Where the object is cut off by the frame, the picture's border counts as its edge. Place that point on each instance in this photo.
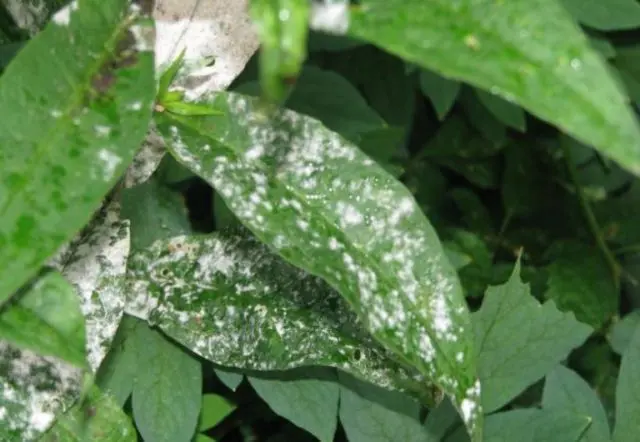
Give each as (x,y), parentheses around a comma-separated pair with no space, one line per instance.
(33,390)
(229,378)
(167,393)
(282,175)
(507,113)
(581,282)
(507,48)
(310,402)
(91,117)
(98,418)
(155,212)
(622,332)
(370,415)
(524,184)
(282,26)
(628,393)
(519,341)
(46,318)
(214,409)
(565,391)
(441,91)
(612,15)
(483,119)
(232,301)
(189,109)
(441,419)
(478,260)
(168,76)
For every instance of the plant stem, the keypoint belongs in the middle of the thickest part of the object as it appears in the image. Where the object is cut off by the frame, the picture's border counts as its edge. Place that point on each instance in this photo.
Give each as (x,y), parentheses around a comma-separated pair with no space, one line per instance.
(596,231)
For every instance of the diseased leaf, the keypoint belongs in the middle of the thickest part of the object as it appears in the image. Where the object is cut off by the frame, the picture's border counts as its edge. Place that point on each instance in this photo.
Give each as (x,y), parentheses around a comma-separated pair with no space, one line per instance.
(232,301)
(628,393)
(98,418)
(46,319)
(612,15)
(32,15)
(90,117)
(310,402)
(623,330)
(581,282)
(33,390)
(506,47)
(565,391)
(441,91)
(167,393)
(518,340)
(283,176)
(507,113)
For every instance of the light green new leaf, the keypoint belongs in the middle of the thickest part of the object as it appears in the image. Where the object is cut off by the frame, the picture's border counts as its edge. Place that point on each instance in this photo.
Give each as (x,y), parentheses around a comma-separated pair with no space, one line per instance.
(310,402)
(564,390)
(214,409)
(609,15)
(528,51)
(75,104)
(622,331)
(167,391)
(33,390)
(96,419)
(331,210)
(232,301)
(282,28)
(519,341)
(581,282)
(46,318)
(441,91)
(628,394)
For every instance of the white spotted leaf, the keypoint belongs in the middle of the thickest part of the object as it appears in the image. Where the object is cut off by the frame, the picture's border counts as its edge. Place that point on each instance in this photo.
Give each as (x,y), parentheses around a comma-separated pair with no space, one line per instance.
(331,210)
(505,47)
(230,300)
(91,117)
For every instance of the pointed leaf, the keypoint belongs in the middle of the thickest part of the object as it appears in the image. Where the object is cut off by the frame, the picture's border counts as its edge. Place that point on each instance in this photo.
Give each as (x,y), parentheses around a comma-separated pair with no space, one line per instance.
(229,378)
(564,390)
(91,117)
(441,91)
(214,409)
(623,330)
(628,394)
(46,319)
(232,301)
(506,47)
(168,76)
(519,341)
(283,176)
(612,15)
(509,114)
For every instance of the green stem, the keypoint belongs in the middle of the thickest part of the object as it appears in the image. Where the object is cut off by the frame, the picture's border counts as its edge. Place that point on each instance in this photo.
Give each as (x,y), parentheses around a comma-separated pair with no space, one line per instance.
(591,218)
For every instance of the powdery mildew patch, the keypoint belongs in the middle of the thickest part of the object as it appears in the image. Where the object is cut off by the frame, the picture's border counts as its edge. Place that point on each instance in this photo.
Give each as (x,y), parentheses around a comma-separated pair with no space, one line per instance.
(33,390)
(232,301)
(283,175)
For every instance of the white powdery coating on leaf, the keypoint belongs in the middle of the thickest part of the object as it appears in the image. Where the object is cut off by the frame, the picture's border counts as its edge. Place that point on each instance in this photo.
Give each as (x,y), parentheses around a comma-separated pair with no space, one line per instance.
(470,405)
(63,16)
(29,15)
(218,30)
(147,159)
(330,16)
(33,390)
(109,162)
(92,264)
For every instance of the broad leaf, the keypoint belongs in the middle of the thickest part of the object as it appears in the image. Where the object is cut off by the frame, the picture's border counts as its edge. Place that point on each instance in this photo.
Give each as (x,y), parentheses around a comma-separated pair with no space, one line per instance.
(564,390)
(507,48)
(91,117)
(214,409)
(519,341)
(33,390)
(167,393)
(46,319)
(441,91)
(628,394)
(232,301)
(622,331)
(230,378)
(612,15)
(310,402)
(283,175)
(97,418)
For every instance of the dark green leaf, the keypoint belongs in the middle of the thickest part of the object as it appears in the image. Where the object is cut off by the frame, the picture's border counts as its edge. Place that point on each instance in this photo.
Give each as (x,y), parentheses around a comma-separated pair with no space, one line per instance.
(229,378)
(524,186)
(483,119)
(602,45)
(623,330)
(507,47)
(319,41)
(46,318)
(507,113)
(98,418)
(232,301)
(283,174)
(628,393)
(612,15)
(441,419)
(565,391)
(90,116)
(310,402)
(474,213)
(166,396)
(441,91)
(519,341)
(214,409)
(581,282)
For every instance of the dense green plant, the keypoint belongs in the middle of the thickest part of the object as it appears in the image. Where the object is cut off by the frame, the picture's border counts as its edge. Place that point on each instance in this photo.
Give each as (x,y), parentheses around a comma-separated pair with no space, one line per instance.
(407,220)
